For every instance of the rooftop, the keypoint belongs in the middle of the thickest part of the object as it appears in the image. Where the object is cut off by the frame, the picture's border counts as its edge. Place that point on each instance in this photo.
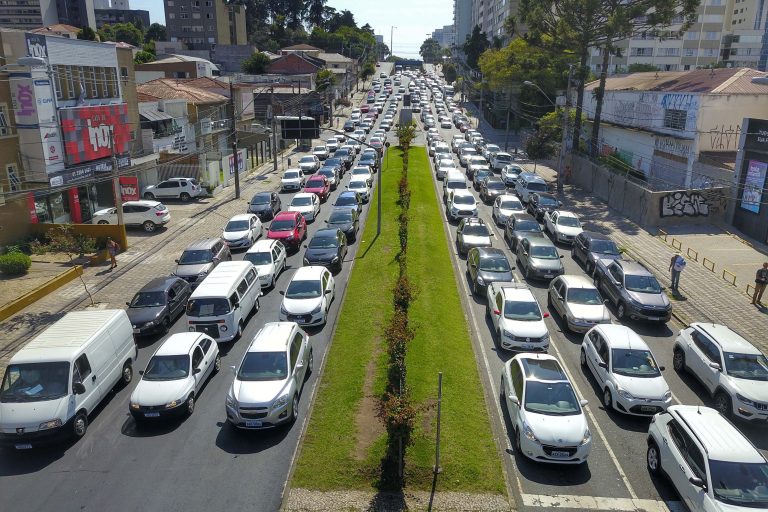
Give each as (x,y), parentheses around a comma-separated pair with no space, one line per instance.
(179,343)
(169,88)
(720,438)
(704,81)
(621,336)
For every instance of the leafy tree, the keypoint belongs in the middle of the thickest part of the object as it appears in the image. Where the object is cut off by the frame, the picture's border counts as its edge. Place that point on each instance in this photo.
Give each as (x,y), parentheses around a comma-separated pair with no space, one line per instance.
(430,51)
(324,79)
(156,32)
(88,34)
(143,56)
(475,45)
(369,69)
(316,12)
(343,18)
(405,134)
(123,33)
(256,64)
(449,72)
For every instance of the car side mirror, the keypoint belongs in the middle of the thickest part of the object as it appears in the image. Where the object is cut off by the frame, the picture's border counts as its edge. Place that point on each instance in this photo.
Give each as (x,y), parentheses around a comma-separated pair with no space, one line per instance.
(299,365)
(513,399)
(196,371)
(216,259)
(698,482)
(605,301)
(496,312)
(584,403)
(305,245)
(327,292)
(234,369)
(282,292)
(128,304)
(603,365)
(177,261)
(715,366)
(78,388)
(562,256)
(662,368)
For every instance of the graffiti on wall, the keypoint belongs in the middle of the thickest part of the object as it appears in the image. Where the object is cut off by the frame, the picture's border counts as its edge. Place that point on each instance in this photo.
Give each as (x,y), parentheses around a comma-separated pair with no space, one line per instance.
(673,146)
(692,204)
(679,101)
(725,138)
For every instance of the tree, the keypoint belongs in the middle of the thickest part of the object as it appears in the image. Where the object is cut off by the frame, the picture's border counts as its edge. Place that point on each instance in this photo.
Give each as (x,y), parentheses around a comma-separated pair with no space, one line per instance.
(324,79)
(316,12)
(156,32)
(122,33)
(475,45)
(405,134)
(88,34)
(368,70)
(449,72)
(343,18)
(430,51)
(256,64)
(143,56)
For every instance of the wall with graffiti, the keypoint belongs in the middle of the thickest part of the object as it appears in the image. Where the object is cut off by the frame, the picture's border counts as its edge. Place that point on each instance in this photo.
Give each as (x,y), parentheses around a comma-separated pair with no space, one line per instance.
(687,203)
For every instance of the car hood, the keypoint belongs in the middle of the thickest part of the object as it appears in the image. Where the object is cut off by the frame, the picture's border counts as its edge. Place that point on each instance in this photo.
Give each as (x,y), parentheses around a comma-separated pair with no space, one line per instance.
(557,430)
(301,306)
(546,263)
(607,258)
(265,270)
(105,211)
(290,180)
(528,329)
(265,207)
(496,277)
(149,187)
(568,230)
(302,209)
(754,389)
(643,387)
(313,190)
(650,299)
(29,415)
(160,392)
(477,240)
(306,164)
(257,392)
(592,312)
(318,254)
(140,316)
(231,236)
(279,235)
(506,213)
(192,270)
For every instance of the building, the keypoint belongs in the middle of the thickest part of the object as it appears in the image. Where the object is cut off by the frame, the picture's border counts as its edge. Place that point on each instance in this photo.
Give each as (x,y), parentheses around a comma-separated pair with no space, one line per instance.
(490,16)
(205,24)
(111,16)
(445,36)
(304,49)
(295,63)
(462,20)
(175,66)
(749,212)
(344,68)
(59,29)
(28,14)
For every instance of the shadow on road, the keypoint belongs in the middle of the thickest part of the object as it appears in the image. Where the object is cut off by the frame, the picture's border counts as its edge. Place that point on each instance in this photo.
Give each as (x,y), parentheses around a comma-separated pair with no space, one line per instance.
(237,442)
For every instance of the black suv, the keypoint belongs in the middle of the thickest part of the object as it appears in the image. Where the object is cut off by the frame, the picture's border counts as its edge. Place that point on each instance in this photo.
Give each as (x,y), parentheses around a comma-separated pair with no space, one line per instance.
(540,202)
(633,290)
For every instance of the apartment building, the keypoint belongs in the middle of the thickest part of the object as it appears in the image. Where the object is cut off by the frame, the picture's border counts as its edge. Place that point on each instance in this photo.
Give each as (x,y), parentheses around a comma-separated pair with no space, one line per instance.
(27,14)
(462,20)
(445,36)
(204,24)
(490,15)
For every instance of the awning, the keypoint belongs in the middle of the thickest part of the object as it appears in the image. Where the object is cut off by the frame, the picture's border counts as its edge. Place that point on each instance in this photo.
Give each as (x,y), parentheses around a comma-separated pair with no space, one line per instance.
(154,115)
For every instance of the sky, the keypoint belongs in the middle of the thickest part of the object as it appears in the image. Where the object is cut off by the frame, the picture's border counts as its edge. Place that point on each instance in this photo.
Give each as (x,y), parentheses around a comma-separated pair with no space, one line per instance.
(414,19)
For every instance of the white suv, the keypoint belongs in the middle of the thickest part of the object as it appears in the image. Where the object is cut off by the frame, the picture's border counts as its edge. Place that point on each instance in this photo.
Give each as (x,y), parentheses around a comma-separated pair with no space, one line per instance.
(548,419)
(517,318)
(147,214)
(183,189)
(713,466)
(732,370)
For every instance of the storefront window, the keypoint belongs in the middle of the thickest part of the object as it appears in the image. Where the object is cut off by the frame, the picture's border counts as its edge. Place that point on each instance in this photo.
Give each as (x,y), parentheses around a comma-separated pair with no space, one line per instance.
(41,209)
(59,205)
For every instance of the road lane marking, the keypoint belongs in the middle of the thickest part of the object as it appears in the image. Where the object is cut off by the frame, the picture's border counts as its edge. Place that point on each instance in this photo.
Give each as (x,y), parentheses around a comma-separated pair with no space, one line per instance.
(600,503)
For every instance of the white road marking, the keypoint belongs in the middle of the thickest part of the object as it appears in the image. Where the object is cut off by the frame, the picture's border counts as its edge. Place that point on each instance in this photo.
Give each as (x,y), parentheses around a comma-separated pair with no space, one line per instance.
(600,503)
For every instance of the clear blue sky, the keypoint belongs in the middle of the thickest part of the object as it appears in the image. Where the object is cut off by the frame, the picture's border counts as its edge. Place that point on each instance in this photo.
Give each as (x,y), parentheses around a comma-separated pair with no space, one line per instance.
(414,19)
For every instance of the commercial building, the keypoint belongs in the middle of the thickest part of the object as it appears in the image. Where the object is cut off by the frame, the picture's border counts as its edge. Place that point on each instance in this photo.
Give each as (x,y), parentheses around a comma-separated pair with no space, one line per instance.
(750,210)
(490,15)
(28,14)
(204,24)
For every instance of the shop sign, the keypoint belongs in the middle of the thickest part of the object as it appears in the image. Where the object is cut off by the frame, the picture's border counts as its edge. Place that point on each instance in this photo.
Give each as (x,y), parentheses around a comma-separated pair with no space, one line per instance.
(84,172)
(129,188)
(36,45)
(91,133)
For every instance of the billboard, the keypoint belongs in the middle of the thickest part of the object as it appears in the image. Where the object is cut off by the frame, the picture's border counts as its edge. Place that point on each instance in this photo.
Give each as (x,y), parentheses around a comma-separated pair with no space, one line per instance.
(754,181)
(129,188)
(299,128)
(90,132)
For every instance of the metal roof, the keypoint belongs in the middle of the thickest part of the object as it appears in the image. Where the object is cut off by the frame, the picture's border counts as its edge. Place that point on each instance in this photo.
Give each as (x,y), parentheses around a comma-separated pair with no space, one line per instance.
(704,81)
(152,114)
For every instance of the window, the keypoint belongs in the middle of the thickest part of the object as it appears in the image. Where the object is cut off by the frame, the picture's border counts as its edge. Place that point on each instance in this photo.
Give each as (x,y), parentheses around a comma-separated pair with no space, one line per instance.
(171,16)
(114,88)
(242,287)
(83,367)
(706,346)
(295,349)
(14,182)
(195,15)
(616,273)
(517,379)
(250,276)
(169,3)
(4,126)
(70,77)
(124,72)
(695,461)
(208,16)
(675,119)
(183,16)
(689,52)
(206,344)
(692,36)
(90,74)
(711,36)
(197,357)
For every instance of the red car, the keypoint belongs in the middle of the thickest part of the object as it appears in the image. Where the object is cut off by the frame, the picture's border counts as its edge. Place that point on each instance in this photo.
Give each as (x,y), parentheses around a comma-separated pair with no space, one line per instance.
(365,108)
(318,184)
(288,227)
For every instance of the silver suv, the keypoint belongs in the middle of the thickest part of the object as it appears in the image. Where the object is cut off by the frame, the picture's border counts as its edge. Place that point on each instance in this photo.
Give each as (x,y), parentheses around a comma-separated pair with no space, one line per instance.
(183,189)
(199,258)
(732,370)
(634,291)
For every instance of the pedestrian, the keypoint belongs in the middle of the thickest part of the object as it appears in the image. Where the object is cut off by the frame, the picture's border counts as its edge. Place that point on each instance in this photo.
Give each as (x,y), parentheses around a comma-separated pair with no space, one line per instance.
(761,279)
(112,249)
(676,266)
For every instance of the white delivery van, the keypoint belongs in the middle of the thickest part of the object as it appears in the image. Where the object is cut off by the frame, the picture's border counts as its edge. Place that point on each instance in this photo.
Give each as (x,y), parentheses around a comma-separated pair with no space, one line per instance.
(221,304)
(54,382)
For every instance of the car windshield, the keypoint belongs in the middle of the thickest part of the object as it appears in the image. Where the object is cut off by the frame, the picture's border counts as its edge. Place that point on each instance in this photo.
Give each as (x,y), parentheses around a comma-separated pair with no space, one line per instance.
(462,199)
(511,204)
(535,186)
(746,366)
(475,229)
(342,217)
(503,158)
(307,160)
(328,173)
(281,225)
(571,222)
(315,183)
(303,290)
(263,366)
(236,225)
(196,257)
(360,172)
(740,484)
(634,363)
(35,382)
(334,162)
(544,252)
(527,225)
(522,311)
(301,201)
(346,201)
(551,398)
(356,185)
(492,148)
(604,247)
(495,264)
(323,242)
(496,185)
(148,300)
(320,149)
(259,258)
(642,284)
(547,201)
(264,198)
(167,368)
(208,307)
(586,296)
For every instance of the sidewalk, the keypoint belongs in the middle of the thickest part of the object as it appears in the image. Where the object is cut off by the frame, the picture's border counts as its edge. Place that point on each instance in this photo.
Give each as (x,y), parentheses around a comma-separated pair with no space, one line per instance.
(494,135)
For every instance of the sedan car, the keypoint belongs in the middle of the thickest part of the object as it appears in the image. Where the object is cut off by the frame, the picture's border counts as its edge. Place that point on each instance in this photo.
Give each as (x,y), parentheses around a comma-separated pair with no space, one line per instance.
(270,259)
(504,206)
(327,248)
(307,204)
(443,166)
(332,144)
(265,204)
(347,220)
(589,246)
(487,265)
(308,296)
(538,258)
(519,226)
(563,225)
(491,188)
(174,377)
(331,174)
(510,173)
(577,301)
(157,305)
(480,174)
(293,179)
(242,231)
(199,258)
(288,227)
(626,371)
(361,187)
(362,172)
(472,232)
(309,164)
(147,214)
(349,200)
(540,203)
(321,152)
(318,185)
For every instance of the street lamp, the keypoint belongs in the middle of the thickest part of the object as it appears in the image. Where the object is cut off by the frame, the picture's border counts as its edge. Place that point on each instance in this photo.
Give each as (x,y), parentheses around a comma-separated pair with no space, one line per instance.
(391,43)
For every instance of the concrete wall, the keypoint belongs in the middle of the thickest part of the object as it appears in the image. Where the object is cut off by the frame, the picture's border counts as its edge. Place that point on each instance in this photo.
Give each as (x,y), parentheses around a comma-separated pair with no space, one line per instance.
(98,231)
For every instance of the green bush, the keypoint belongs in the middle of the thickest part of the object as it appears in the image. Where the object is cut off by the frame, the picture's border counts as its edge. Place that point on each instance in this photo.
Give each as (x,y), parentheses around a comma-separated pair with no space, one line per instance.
(15,263)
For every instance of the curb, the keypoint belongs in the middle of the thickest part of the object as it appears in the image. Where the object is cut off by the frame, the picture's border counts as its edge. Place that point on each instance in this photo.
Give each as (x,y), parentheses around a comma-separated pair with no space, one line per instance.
(41,291)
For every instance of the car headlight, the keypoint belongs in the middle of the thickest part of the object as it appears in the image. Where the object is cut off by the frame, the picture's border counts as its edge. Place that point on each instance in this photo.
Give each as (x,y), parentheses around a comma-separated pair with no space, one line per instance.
(634,302)
(231,402)
(135,406)
(587,437)
(625,394)
(316,310)
(280,401)
(335,259)
(529,433)
(480,281)
(283,311)
(667,395)
(202,274)
(289,237)
(744,399)
(150,323)
(47,425)
(175,403)
(506,333)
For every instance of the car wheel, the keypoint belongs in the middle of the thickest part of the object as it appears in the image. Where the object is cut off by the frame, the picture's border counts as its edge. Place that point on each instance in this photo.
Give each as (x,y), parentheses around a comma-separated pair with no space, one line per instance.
(678,360)
(573,252)
(723,404)
(621,311)
(149,195)
(239,333)
(149,226)
(607,399)
(590,269)
(652,459)
(185,197)
(190,404)
(126,376)
(310,363)
(294,408)
(103,222)
(517,441)
(80,425)
(583,358)
(549,301)
(503,391)
(217,363)
(166,326)
(526,273)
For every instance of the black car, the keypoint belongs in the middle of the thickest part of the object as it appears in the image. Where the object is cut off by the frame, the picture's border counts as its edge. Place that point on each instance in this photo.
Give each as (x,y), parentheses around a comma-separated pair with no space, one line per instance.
(347,220)
(519,226)
(540,202)
(327,248)
(349,126)
(491,188)
(368,160)
(265,205)
(338,163)
(589,246)
(349,200)
(480,176)
(487,265)
(158,304)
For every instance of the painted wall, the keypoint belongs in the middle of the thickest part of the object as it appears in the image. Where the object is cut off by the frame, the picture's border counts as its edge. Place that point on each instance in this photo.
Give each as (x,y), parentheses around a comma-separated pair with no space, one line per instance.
(721,116)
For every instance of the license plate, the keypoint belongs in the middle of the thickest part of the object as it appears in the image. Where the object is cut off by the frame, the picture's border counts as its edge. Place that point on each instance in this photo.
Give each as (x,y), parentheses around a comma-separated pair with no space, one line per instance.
(151,414)
(560,454)
(548,276)
(253,423)
(23,446)
(528,347)
(647,408)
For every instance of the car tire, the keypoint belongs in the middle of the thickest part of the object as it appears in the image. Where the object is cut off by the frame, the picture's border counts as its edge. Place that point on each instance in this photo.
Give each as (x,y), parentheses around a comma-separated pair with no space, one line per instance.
(166,325)
(526,273)
(239,333)
(149,196)
(149,226)
(185,197)
(583,358)
(678,360)
(653,459)
(590,268)
(190,404)
(607,399)
(549,301)
(621,311)
(723,404)
(103,222)
(310,363)
(294,408)
(217,364)
(79,425)
(126,375)
(517,441)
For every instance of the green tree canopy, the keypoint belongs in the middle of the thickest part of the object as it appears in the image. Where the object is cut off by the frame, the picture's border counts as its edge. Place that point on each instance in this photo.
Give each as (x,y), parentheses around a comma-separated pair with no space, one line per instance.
(475,45)
(256,64)
(324,79)
(449,73)
(156,32)
(88,34)
(430,51)
(122,33)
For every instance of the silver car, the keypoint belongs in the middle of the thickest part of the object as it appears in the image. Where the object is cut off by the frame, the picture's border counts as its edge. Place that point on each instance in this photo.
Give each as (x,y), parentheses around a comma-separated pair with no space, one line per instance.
(538,258)
(578,303)
(199,258)
(472,232)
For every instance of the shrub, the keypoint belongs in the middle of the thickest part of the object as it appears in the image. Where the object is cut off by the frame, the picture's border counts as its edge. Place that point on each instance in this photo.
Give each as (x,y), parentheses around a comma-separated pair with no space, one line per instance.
(15,263)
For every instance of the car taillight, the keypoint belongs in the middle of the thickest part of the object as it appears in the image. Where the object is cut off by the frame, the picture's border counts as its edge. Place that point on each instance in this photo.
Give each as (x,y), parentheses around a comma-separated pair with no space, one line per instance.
(160,214)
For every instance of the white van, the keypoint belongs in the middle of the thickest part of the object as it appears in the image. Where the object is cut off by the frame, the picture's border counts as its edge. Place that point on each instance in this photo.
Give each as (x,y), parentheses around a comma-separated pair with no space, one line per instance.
(453,180)
(528,182)
(220,306)
(53,383)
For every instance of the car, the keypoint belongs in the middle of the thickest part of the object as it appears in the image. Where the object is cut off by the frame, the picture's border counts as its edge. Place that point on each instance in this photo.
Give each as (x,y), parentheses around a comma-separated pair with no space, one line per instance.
(349,125)
(242,231)
(309,164)
(465,152)
(589,246)
(308,297)
(456,141)
(499,160)
(440,150)
(265,204)
(377,143)
(443,166)
(633,290)
(199,258)
(528,183)
(319,185)
(157,305)
(491,188)
(174,377)
(487,265)
(353,144)
(362,172)
(540,203)
(289,227)
(445,123)
(307,204)
(321,152)
(505,205)
(385,125)
(335,163)
(327,248)
(625,371)
(347,220)
(488,150)
(270,378)
(732,370)
(183,189)
(331,174)
(578,302)
(346,156)
(349,200)
(332,144)
(293,179)
(538,258)
(361,187)
(369,161)
(477,171)
(712,465)
(563,225)
(517,320)
(461,204)
(548,420)
(147,214)
(270,259)
(510,173)
(472,232)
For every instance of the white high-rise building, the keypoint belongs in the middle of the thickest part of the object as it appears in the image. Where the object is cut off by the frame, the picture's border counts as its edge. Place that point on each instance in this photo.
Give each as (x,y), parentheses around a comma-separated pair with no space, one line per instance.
(462,20)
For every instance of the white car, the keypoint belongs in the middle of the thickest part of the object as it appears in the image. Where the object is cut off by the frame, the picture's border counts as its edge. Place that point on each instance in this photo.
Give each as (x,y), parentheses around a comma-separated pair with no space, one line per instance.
(361,187)
(321,152)
(504,206)
(385,125)
(547,417)
(359,134)
(517,319)
(242,231)
(332,144)
(500,160)
(293,179)
(309,164)
(362,172)
(174,376)
(270,378)
(563,225)
(440,150)
(465,153)
(445,122)
(732,370)
(308,296)
(307,204)
(147,214)
(183,189)
(269,258)
(444,165)
(462,204)
(510,173)
(577,301)
(489,150)
(711,464)
(625,370)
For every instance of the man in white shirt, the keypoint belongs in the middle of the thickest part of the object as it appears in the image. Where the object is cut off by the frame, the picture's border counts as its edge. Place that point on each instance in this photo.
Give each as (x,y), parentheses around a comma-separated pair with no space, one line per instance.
(676,266)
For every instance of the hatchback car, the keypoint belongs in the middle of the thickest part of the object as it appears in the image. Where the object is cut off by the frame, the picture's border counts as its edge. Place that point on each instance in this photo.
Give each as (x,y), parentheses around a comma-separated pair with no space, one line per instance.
(307,204)
(538,258)
(265,204)
(242,231)
(332,144)
(472,232)
(270,259)
(147,214)
(288,227)
(361,187)
(564,226)
(318,185)
(504,206)
(510,173)
(199,258)
(589,246)
(293,179)
(331,174)
(349,200)
(491,188)
(577,301)
(309,164)
(461,205)
(183,189)
(480,174)
(347,220)
(487,265)
(519,226)
(327,248)
(321,152)
(362,172)
(444,165)
(157,305)
(308,297)
(175,376)
(516,318)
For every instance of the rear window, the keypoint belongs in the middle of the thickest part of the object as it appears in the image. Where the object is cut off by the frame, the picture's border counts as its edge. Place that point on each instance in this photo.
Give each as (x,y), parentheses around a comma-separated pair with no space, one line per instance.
(536,186)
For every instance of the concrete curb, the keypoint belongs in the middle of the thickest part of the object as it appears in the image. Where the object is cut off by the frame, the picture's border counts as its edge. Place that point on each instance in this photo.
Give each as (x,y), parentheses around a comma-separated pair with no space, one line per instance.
(38,293)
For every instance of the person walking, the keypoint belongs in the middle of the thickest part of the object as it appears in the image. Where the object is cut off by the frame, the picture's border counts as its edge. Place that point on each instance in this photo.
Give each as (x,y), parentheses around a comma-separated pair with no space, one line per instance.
(761,279)
(112,249)
(676,266)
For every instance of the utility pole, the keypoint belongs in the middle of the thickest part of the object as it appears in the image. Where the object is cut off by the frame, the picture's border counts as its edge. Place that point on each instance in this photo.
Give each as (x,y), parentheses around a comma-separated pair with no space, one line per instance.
(506,132)
(116,179)
(391,44)
(234,138)
(566,119)
(271,113)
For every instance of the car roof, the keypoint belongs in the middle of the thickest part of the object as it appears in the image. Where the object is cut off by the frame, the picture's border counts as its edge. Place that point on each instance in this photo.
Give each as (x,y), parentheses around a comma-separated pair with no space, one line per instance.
(490,179)
(462,192)
(179,343)
(160,284)
(517,291)
(488,252)
(285,215)
(729,340)
(509,197)
(273,337)
(576,281)
(565,213)
(721,440)
(242,216)
(262,194)
(621,336)
(326,233)
(540,241)
(541,367)
(308,273)
(544,194)
(633,267)
(292,169)
(316,177)
(205,243)
(594,235)
(523,216)
(303,194)
(529,176)
(263,245)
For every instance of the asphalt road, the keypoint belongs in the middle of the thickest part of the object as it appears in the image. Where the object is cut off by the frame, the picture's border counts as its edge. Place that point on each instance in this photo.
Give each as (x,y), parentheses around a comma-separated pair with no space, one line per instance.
(200,463)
